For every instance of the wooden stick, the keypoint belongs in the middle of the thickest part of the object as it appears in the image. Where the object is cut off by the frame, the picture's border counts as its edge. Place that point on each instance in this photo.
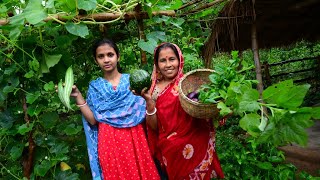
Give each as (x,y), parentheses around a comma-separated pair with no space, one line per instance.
(102,17)
(205,6)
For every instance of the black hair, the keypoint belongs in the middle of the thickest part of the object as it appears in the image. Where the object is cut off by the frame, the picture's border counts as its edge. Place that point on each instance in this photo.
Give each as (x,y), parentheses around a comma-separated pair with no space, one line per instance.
(102,42)
(163,46)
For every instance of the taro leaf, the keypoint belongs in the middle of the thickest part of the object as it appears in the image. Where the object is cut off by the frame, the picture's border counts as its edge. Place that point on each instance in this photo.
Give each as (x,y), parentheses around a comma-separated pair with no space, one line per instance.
(77,29)
(87,4)
(48,120)
(148,46)
(42,168)
(72,129)
(272,93)
(24,128)
(250,123)
(294,97)
(16,151)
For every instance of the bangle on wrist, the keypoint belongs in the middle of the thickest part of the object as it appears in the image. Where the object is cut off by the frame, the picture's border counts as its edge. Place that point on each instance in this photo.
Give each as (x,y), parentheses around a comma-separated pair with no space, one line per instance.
(81,105)
(154,112)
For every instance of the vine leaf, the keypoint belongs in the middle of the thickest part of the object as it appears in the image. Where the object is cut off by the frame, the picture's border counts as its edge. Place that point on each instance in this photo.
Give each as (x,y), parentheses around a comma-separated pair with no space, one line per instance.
(42,168)
(148,46)
(33,14)
(87,4)
(24,128)
(77,29)
(49,61)
(49,119)
(16,151)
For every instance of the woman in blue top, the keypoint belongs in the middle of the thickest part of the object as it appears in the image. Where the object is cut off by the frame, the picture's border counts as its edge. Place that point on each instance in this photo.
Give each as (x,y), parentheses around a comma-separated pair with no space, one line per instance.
(112,117)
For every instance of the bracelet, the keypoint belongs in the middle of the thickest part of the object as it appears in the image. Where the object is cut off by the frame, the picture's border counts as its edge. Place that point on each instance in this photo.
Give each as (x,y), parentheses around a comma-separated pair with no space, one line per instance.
(81,105)
(150,114)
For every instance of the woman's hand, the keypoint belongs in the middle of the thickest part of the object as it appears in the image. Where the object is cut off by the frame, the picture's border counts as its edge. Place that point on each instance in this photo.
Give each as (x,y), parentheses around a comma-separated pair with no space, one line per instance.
(75,91)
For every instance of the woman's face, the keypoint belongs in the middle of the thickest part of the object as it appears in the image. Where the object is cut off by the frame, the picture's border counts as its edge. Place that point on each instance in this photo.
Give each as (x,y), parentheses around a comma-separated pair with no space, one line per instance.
(106,58)
(168,63)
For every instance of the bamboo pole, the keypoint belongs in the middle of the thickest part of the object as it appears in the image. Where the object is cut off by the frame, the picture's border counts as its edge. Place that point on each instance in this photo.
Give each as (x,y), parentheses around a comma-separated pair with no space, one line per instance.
(102,17)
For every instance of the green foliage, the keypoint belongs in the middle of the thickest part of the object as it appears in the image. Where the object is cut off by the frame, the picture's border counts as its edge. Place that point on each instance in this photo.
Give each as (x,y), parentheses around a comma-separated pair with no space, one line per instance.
(242,158)
(276,117)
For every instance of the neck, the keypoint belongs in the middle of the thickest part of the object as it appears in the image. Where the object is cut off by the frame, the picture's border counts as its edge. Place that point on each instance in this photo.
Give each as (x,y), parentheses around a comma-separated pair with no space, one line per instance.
(111,76)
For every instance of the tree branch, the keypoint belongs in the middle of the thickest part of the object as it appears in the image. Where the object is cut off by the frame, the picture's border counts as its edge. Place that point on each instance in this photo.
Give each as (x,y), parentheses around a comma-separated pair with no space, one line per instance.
(189,4)
(202,7)
(103,17)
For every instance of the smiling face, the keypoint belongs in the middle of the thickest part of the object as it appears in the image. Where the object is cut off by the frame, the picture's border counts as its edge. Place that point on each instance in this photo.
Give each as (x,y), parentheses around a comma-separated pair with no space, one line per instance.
(168,63)
(107,58)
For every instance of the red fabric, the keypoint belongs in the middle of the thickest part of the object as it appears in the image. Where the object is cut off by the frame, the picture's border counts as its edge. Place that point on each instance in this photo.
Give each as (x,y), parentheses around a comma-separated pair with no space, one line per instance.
(124,153)
(181,142)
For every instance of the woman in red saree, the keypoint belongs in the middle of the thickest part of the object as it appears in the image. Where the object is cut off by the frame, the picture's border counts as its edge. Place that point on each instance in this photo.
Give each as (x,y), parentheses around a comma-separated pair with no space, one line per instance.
(185,146)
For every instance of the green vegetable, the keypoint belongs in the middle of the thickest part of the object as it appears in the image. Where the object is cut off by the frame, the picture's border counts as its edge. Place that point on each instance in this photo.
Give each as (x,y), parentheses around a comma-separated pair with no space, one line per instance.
(139,79)
(64,92)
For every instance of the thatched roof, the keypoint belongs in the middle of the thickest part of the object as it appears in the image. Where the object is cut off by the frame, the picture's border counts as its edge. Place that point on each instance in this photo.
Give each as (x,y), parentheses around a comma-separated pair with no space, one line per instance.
(278,22)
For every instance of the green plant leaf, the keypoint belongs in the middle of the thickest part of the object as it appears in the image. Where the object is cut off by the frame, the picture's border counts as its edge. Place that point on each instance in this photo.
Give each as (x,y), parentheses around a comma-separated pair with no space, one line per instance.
(316,113)
(52,60)
(49,119)
(33,13)
(24,128)
(250,123)
(157,35)
(16,151)
(148,46)
(272,93)
(42,168)
(6,120)
(72,129)
(87,4)
(59,148)
(294,97)
(77,29)
(224,110)
(31,97)
(265,165)
(48,86)
(248,102)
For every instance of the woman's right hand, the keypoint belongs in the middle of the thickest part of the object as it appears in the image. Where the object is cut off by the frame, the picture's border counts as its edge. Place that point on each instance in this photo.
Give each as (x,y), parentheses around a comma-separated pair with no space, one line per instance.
(75,91)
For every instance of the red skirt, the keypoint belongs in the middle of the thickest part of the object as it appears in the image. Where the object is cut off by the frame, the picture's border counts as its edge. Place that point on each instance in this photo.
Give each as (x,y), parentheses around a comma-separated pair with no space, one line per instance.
(124,153)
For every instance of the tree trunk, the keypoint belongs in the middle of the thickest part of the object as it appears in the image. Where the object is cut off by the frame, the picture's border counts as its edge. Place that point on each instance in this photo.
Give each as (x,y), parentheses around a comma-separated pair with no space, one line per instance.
(256,58)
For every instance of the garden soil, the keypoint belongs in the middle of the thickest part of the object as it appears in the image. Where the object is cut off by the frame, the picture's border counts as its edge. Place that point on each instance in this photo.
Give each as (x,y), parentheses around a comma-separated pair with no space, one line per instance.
(306,158)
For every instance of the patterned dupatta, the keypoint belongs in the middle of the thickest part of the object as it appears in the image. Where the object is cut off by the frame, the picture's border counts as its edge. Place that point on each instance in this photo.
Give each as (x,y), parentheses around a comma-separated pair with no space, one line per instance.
(119,108)
(176,129)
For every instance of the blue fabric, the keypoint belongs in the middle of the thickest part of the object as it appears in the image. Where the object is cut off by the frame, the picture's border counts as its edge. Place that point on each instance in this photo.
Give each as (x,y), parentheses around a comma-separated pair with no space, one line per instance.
(119,108)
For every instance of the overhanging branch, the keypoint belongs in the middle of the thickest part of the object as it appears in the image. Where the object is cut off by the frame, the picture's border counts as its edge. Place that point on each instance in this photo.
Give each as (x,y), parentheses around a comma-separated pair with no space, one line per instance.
(103,17)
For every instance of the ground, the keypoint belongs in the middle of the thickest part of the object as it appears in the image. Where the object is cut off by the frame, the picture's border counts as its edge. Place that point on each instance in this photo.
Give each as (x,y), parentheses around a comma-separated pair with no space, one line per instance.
(306,158)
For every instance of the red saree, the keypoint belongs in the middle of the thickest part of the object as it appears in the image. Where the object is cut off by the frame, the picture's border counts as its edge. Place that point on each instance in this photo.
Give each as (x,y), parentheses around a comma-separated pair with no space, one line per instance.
(184,145)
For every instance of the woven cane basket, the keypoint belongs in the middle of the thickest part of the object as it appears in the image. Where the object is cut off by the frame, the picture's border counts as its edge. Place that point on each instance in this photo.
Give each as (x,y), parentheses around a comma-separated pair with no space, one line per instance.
(190,82)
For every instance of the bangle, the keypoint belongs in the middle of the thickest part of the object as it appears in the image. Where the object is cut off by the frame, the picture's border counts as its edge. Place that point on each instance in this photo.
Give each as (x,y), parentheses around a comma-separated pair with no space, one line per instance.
(81,105)
(150,114)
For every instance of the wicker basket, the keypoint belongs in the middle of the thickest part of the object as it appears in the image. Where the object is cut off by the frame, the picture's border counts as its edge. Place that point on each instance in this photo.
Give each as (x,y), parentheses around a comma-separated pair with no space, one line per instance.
(190,82)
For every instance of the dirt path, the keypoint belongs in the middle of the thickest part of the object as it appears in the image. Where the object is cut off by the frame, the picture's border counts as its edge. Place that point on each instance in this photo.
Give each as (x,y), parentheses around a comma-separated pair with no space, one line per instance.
(307,159)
